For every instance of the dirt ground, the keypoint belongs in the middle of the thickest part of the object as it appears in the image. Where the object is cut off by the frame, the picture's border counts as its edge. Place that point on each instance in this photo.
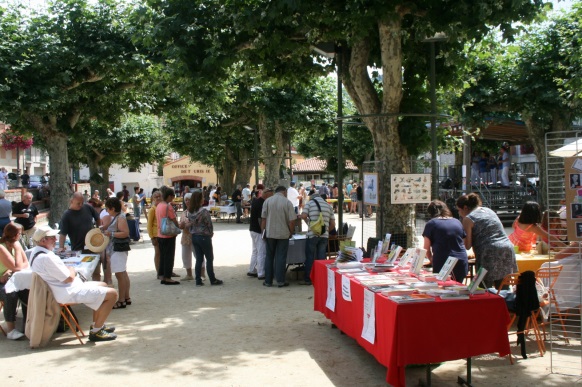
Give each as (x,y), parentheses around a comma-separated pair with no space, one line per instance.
(239,334)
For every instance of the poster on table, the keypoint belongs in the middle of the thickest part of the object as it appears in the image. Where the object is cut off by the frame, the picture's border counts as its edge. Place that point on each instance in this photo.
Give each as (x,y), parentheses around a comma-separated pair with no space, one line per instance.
(410,188)
(573,184)
(371,189)
(330,302)
(369,328)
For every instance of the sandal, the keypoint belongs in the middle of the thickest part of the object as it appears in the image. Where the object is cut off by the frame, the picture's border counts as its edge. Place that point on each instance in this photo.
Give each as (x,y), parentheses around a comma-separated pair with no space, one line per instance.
(120,305)
(128,301)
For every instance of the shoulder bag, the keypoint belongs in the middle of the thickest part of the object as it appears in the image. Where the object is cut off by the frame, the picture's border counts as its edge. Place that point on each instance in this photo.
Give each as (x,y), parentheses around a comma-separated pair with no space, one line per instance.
(120,244)
(167,227)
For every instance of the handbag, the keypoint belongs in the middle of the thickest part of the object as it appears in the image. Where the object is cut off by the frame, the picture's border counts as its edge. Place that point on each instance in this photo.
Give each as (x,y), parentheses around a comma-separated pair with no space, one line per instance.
(120,244)
(168,227)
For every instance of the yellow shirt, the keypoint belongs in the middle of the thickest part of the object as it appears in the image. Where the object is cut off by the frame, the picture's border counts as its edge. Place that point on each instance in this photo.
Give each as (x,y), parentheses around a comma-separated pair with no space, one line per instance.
(152,222)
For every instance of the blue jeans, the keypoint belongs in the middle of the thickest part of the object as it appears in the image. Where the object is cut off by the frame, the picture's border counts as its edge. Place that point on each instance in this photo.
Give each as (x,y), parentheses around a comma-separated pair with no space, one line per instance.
(276,260)
(315,248)
(137,212)
(202,245)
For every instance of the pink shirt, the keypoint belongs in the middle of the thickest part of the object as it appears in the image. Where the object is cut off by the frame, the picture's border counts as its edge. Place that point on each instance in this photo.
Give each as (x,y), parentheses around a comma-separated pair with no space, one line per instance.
(161,213)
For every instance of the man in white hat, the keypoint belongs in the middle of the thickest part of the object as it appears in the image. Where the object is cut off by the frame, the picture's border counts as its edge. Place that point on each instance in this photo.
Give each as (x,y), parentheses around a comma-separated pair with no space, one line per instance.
(67,287)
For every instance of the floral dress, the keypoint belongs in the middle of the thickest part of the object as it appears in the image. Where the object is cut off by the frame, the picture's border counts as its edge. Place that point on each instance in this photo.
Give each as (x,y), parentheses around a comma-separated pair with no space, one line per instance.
(493,249)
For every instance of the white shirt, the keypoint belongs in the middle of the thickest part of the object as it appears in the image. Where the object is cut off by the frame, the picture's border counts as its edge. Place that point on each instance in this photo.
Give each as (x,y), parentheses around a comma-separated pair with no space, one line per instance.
(53,271)
(293,196)
(246,193)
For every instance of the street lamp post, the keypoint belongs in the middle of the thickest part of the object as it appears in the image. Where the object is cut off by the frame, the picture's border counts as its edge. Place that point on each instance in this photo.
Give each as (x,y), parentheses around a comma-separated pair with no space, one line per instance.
(254,129)
(438,37)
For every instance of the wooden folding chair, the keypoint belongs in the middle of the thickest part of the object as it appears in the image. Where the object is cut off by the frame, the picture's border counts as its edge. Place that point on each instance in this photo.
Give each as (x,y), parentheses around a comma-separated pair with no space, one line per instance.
(548,277)
(531,323)
(2,307)
(67,316)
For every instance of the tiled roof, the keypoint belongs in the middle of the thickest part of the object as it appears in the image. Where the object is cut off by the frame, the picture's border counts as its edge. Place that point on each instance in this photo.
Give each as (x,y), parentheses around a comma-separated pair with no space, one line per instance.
(317,165)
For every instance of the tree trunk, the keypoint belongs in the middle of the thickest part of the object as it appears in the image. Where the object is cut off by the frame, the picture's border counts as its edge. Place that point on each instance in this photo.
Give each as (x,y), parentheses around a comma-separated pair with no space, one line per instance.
(244,168)
(272,149)
(56,146)
(388,150)
(228,171)
(104,181)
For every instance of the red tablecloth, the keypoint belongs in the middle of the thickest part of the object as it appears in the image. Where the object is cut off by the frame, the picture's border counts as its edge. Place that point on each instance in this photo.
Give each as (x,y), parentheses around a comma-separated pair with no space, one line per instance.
(418,333)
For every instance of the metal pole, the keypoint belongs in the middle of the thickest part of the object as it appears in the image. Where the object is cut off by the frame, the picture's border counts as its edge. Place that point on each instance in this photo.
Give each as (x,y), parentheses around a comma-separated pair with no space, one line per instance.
(435,171)
(256,156)
(340,161)
(290,159)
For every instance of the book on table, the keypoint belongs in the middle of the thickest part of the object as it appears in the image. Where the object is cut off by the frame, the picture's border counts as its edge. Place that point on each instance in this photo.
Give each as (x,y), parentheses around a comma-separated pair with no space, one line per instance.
(412,298)
(394,254)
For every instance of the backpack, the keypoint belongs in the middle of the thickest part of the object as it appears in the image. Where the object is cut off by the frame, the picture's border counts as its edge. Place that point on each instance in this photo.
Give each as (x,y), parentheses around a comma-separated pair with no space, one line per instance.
(317,226)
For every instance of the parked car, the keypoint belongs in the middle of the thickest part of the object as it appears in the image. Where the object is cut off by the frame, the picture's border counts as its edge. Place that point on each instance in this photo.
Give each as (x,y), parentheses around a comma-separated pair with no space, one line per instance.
(36,181)
(12,180)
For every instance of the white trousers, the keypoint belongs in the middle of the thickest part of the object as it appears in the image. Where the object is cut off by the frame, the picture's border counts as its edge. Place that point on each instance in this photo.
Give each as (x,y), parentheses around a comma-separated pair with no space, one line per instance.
(258,254)
(505,176)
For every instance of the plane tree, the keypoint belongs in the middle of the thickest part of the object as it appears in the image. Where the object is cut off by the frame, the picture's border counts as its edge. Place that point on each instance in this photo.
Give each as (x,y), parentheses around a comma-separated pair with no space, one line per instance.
(535,78)
(278,37)
(53,62)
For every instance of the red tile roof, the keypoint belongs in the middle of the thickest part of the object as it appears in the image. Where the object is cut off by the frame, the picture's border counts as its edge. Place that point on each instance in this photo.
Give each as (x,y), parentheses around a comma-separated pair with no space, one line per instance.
(317,165)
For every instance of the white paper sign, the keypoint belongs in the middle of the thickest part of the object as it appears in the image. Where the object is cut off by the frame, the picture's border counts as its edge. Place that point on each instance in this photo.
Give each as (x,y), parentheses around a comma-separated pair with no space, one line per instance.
(394,253)
(346,288)
(386,244)
(447,268)
(369,329)
(330,303)
(478,279)
(408,255)
(418,261)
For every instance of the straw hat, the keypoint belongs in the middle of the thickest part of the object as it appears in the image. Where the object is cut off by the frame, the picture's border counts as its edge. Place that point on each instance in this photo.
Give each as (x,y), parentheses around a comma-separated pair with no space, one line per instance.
(96,241)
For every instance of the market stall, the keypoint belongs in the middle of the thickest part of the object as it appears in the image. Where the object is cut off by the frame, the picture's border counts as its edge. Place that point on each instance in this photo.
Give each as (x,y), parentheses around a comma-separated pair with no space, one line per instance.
(403,334)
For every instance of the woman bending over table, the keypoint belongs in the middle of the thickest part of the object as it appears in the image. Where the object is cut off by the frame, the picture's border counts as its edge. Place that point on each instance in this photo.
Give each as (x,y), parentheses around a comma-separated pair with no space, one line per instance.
(526,228)
(443,238)
(12,259)
(485,234)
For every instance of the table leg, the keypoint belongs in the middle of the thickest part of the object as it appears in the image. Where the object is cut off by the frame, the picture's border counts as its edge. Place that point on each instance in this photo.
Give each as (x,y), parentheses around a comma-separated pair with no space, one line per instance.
(428,382)
(466,382)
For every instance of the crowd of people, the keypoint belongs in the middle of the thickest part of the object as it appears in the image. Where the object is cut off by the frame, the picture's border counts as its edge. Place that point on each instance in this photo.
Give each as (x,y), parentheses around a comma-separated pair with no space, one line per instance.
(275,215)
(481,230)
(489,168)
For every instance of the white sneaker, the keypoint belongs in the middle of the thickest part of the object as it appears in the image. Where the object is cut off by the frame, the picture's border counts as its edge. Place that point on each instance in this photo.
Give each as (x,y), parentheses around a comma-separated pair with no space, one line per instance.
(14,335)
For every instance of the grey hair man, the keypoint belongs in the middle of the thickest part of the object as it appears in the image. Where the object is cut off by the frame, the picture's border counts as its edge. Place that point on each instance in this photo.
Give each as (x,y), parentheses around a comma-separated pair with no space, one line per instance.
(278,219)
(25,213)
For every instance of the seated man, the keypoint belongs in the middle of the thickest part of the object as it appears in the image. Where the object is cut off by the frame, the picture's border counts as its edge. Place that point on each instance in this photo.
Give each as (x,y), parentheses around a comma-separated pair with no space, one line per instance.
(68,288)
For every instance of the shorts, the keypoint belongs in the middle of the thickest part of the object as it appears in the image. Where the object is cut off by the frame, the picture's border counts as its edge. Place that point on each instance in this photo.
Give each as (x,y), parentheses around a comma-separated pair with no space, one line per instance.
(118,261)
(88,293)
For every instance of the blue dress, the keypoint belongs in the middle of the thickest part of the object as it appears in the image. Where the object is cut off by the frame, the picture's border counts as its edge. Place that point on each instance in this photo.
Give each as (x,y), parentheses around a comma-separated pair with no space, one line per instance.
(446,240)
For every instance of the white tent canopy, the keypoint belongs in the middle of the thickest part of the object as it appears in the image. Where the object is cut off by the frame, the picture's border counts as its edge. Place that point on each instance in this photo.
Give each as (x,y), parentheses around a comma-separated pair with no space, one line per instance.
(572,148)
